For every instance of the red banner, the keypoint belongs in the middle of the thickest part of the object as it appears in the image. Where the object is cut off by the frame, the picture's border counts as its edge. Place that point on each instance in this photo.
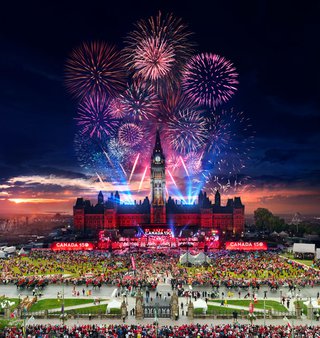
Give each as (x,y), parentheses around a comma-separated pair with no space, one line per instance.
(246,246)
(72,246)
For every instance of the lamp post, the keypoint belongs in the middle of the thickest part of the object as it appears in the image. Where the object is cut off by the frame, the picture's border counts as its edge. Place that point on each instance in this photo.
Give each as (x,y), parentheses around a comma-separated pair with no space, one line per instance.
(62,305)
(264,311)
(24,322)
(156,318)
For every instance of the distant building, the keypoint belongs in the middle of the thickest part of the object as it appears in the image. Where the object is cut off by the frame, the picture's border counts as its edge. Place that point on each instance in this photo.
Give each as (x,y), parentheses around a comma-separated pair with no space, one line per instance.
(159,213)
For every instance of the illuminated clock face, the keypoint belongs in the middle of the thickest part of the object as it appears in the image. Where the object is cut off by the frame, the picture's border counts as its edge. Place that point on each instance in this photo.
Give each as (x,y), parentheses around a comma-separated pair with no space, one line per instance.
(157,158)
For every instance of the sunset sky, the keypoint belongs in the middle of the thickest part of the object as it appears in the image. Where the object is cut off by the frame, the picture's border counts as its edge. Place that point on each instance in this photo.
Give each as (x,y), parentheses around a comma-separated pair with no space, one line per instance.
(273,44)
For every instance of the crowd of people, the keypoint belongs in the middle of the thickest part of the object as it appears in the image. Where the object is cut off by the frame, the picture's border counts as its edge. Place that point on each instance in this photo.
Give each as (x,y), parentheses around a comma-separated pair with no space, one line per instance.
(152,331)
(230,269)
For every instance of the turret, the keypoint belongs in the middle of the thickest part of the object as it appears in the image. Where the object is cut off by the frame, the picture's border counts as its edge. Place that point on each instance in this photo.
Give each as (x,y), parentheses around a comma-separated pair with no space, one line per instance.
(217,199)
(100,198)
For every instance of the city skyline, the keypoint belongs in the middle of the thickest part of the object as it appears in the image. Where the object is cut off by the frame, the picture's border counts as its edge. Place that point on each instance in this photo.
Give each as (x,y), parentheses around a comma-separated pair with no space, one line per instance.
(274,53)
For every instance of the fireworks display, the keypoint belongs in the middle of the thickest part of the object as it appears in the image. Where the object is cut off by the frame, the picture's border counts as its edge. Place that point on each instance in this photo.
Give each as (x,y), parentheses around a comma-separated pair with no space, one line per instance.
(130,134)
(158,82)
(154,58)
(186,131)
(94,117)
(95,67)
(158,48)
(139,102)
(209,79)
(230,140)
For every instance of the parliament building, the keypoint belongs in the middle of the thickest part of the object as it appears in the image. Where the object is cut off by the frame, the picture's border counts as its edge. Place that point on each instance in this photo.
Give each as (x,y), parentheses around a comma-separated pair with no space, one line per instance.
(159,214)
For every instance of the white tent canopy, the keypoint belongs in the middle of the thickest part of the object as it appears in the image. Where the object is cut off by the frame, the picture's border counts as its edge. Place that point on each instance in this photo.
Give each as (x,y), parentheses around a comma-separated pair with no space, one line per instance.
(22,252)
(198,259)
(304,248)
(2,254)
(114,304)
(200,304)
(10,249)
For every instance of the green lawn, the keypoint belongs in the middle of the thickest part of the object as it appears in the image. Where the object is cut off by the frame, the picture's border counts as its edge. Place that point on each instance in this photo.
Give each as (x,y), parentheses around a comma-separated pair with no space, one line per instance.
(212,309)
(47,304)
(12,300)
(86,310)
(308,262)
(276,306)
(91,309)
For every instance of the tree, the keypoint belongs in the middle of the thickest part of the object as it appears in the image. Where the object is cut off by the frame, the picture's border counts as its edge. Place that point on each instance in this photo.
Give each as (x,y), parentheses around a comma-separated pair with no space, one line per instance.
(263,218)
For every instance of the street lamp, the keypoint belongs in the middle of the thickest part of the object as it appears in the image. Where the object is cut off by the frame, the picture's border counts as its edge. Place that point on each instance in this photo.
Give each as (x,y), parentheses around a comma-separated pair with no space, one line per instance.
(156,318)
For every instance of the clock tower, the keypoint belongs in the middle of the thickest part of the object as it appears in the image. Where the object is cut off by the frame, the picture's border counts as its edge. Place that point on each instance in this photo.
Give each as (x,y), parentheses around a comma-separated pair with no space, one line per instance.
(158,184)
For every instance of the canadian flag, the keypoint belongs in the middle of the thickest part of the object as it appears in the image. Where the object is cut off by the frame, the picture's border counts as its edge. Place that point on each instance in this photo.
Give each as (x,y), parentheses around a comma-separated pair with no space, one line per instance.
(288,322)
(255,299)
(251,307)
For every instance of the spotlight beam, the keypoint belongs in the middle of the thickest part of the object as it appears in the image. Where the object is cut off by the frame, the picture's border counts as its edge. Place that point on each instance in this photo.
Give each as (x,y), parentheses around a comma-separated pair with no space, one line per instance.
(142,179)
(134,167)
(184,166)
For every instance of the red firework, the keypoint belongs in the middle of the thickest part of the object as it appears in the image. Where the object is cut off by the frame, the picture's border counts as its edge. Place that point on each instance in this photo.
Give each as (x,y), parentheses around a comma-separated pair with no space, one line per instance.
(209,79)
(158,48)
(154,58)
(95,67)
(117,109)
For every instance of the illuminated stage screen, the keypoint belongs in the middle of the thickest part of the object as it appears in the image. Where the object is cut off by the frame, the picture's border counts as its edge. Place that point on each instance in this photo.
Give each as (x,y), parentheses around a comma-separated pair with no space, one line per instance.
(72,246)
(246,246)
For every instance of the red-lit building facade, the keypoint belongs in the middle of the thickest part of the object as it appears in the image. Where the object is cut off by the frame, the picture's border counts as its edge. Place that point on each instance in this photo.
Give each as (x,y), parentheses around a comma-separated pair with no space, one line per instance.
(159,213)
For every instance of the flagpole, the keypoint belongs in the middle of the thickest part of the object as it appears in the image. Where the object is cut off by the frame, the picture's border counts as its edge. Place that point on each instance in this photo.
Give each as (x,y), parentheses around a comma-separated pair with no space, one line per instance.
(264,311)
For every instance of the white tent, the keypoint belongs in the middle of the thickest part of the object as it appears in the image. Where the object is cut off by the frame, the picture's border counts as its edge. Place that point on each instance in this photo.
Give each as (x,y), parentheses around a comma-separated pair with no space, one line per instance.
(304,248)
(186,258)
(114,304)
(198,259)
(200,304)
(10,249)
(318,254)
(22,252)
(2,254)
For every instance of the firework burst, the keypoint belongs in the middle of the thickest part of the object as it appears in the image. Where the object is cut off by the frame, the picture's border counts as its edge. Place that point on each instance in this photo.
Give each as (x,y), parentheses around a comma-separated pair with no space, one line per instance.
(234,184)
(158,47)
(186,131)
(117,109)
(209,79)
(116,150)
(94,117)
(154,58)
(89,153)
(193,161)
(230,141)
(172,102)
(139,101)
(95,67)
(130,134)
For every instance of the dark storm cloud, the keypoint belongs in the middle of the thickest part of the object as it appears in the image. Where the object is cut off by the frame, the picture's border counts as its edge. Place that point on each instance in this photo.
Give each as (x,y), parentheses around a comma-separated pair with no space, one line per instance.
(288,180)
